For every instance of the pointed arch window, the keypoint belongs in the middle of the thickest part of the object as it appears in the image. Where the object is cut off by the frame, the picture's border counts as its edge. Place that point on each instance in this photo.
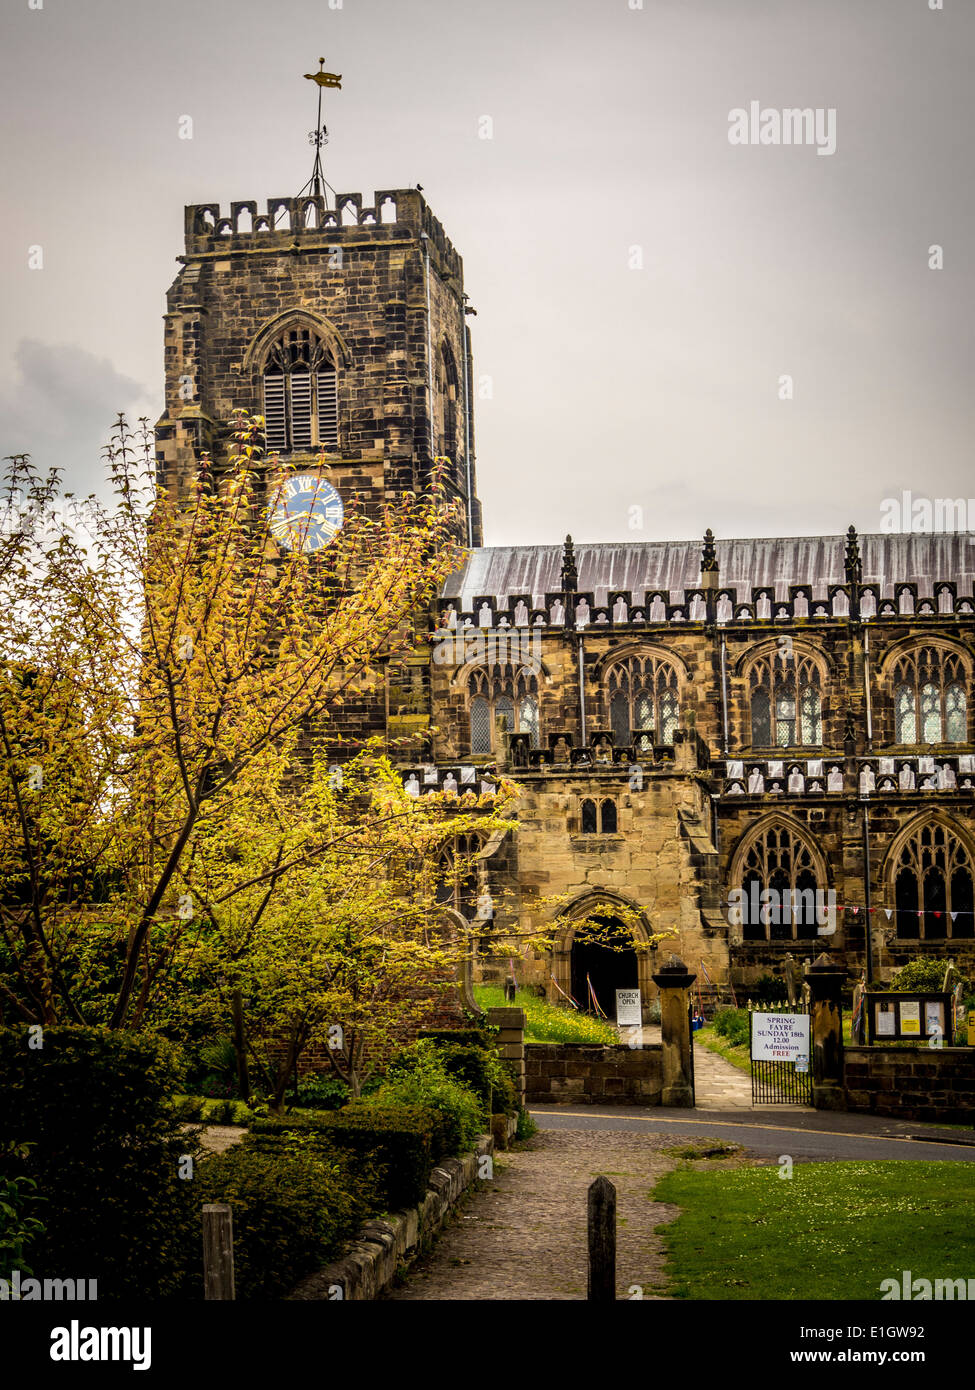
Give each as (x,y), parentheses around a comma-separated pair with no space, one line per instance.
(457,884)
(300,393)
(780,882)
(447,402)
(933,885)
(502,692)
(642,693)
(930,697)
(786,701)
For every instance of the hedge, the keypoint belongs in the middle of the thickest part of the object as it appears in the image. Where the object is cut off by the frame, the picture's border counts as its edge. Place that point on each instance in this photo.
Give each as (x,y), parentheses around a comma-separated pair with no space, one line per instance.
(293,1209)
(395,1148)
(106,1149)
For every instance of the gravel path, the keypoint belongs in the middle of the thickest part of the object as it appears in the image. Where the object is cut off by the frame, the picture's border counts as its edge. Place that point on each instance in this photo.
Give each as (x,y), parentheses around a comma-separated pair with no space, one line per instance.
(523,1234)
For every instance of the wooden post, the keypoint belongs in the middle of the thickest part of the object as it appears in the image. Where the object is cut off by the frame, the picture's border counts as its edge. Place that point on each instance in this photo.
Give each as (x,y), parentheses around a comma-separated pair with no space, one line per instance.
(218,1251)
(602,1242)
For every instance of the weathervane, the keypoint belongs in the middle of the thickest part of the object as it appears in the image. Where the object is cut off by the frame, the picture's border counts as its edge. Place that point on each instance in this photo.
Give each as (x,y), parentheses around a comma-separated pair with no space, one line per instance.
(319,136)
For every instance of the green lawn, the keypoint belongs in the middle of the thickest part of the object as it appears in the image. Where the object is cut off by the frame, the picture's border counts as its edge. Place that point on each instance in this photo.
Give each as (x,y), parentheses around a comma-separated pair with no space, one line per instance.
(545,1022)
(833,1230)
(714,1042)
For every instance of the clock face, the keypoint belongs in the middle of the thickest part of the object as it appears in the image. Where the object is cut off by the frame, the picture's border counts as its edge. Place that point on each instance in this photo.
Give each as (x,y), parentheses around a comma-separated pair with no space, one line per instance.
(309,513)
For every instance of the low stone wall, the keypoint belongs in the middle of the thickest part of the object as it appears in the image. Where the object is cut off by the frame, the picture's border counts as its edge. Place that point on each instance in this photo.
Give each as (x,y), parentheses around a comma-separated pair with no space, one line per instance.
(369,1266)
(590,1074)
(911,1083)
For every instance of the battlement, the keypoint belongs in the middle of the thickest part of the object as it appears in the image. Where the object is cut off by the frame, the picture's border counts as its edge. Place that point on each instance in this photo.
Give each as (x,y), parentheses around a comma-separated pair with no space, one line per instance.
(310,222)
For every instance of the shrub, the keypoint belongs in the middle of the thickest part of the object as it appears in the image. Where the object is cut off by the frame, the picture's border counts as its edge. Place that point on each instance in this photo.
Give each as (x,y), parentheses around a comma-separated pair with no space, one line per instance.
(463,1037)
(924,975)
(322,1092)
(526,1125)
(292,1212)
(394,1148)
(733,1025)
(18,1202)
(418,1076)
(95,1106)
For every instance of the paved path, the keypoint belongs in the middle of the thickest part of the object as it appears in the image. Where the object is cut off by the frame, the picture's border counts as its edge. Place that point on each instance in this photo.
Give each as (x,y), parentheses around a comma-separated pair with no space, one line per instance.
(718,1084)
(523,1235)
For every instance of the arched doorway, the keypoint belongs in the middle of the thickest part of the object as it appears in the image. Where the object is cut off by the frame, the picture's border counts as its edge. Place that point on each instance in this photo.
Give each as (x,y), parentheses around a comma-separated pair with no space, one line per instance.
(603,956)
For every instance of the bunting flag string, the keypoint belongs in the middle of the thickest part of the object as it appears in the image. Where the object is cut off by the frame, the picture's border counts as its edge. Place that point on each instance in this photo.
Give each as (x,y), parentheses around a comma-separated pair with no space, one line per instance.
(856,908)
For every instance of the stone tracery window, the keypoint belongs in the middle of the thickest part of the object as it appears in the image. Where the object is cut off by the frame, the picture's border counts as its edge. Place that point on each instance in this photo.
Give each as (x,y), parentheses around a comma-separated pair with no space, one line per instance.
(498,692)
(779,861)
(785,699)
(300,392)
(642,693)
(457,885)
(930,697)
(932,883)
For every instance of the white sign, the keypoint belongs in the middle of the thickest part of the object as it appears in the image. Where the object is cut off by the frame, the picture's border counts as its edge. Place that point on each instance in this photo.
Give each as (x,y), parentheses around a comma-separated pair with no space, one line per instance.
(884,1020)
(628,1014)
(780,1037)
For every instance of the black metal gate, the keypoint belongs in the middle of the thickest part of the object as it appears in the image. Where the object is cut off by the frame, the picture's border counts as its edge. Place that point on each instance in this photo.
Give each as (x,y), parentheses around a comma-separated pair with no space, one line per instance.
(779,1082)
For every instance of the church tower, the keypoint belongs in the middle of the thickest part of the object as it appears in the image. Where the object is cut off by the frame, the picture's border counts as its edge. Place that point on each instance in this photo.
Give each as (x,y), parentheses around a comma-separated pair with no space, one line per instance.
(345,327)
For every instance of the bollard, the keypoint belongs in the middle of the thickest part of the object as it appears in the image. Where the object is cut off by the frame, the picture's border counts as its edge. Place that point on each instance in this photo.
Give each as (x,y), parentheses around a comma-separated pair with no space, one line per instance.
(218,1251)
(602,1242)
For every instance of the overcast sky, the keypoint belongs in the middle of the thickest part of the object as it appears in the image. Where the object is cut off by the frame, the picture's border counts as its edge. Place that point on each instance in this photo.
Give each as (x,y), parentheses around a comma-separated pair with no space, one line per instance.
(628,403)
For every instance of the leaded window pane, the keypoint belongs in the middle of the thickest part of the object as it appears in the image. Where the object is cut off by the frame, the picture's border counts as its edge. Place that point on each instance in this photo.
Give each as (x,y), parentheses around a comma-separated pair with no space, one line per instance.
(643,711)
(480,725)
(904,714)
(761,719)
(811,716)
(956,713)
(785,720)
(930,714)
(528,719)
(669,715)
(619,719)
(504,714)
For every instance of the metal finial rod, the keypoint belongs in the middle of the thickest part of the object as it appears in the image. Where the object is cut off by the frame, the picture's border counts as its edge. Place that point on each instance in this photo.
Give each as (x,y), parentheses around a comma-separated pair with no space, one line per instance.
(319,136)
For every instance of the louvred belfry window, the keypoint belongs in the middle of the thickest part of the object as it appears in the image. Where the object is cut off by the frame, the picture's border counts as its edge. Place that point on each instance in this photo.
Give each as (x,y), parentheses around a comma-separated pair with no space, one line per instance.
(300,394)
(930,698)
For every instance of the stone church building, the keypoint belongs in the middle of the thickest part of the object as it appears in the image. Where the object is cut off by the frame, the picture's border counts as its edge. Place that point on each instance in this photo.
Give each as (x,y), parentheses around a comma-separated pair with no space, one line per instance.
(764,747)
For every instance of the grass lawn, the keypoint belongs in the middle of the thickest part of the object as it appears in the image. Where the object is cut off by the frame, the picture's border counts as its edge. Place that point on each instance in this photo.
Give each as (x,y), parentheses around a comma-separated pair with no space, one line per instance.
(833,1230)
(545,1022)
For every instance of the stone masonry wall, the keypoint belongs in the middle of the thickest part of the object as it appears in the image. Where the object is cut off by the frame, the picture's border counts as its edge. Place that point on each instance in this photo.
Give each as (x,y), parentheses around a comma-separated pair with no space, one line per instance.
(589,1074)
(912,1083)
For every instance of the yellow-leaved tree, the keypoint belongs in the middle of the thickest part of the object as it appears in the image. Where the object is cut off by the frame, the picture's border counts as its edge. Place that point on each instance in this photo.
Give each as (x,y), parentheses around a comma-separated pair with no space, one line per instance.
(167,669)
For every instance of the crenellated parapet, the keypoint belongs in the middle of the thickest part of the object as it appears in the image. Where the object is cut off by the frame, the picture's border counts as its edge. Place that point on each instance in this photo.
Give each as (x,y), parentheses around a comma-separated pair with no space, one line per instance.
(309,222)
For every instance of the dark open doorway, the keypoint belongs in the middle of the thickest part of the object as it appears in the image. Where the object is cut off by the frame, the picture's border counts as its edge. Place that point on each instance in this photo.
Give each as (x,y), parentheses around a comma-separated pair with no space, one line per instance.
(603,952)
